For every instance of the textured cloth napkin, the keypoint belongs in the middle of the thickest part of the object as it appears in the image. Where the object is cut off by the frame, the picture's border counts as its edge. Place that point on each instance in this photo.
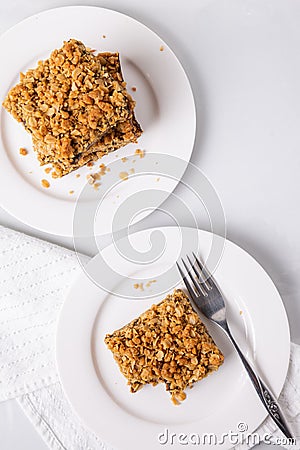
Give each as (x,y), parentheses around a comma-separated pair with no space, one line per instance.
(34,279)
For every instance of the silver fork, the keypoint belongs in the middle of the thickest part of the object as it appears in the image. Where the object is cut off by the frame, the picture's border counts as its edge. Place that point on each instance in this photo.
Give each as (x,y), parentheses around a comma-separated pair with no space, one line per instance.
(207,297)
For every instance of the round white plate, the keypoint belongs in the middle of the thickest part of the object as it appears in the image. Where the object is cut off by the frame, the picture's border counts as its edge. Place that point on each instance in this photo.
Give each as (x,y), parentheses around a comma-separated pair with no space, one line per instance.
(218,404)
(165,107)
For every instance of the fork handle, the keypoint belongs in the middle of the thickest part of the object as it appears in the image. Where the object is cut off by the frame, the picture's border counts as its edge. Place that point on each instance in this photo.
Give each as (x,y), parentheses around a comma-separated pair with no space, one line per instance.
(263,392)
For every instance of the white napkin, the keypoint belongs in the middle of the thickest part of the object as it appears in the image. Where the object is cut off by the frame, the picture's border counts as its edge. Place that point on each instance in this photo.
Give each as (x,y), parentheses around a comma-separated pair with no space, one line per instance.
(34,278)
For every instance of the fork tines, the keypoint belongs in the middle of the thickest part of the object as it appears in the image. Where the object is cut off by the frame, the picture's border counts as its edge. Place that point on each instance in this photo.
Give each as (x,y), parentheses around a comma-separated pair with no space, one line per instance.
(196,278)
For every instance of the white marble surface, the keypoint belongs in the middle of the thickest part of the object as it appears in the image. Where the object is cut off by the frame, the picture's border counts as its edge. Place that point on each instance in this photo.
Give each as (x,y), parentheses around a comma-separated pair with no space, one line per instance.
(243,61)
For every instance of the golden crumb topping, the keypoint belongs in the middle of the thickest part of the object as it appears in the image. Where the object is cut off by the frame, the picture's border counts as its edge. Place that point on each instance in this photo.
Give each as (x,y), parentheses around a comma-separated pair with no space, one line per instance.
(75,105)
(167,344)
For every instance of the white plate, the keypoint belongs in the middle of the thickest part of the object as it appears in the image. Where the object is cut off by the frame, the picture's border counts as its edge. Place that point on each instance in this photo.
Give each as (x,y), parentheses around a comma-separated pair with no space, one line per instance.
(164,104)
(97,390)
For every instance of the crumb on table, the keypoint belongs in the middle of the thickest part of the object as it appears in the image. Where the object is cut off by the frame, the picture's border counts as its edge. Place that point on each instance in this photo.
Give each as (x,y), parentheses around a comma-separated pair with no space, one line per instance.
(71,192)
(161,48)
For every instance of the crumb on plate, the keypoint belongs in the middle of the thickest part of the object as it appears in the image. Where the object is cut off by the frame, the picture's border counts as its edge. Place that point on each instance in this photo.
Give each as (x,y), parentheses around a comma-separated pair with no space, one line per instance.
(148,284)
(103,169)
(123,175)
(45,183)
(140,153)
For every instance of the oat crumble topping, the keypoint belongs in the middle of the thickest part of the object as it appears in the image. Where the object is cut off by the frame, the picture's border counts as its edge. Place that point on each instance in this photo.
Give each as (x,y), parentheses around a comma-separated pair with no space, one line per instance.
(166,344)
(71,100)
